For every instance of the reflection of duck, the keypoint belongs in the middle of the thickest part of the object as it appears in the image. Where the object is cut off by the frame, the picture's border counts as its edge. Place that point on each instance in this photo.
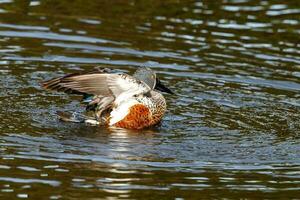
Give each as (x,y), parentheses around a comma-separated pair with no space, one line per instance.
(117,99)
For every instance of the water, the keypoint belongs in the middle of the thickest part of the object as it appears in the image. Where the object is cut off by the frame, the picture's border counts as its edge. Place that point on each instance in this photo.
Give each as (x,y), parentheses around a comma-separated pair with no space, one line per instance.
(231,130)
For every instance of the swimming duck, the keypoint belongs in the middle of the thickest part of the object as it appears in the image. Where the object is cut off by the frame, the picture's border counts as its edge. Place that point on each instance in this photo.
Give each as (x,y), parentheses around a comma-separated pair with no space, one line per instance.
(117,99)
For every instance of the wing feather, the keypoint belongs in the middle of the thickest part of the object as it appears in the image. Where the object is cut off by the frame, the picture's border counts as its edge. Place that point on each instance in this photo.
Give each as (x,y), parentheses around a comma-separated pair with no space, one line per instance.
(98,83)
(80,83)
(127,84)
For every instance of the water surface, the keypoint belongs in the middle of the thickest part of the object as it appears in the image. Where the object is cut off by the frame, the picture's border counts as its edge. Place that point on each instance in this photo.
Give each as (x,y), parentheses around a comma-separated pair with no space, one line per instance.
(231,130)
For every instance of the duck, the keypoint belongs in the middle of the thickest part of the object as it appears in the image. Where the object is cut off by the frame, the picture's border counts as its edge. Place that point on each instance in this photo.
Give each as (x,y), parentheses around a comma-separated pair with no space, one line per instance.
(116,99)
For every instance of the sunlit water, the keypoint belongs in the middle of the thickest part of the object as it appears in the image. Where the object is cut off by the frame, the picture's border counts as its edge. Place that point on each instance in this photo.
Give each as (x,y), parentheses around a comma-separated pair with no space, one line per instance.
(231,130)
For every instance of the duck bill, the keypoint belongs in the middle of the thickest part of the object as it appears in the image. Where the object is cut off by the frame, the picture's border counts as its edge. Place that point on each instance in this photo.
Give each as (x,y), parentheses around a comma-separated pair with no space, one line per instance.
(159,86)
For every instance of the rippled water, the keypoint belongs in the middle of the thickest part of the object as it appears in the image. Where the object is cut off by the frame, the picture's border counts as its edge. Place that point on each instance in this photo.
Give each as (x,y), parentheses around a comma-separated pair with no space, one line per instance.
(232,130)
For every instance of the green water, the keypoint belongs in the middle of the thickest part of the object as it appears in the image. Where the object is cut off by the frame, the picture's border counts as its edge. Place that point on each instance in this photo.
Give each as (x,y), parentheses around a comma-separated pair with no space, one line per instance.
(232,130)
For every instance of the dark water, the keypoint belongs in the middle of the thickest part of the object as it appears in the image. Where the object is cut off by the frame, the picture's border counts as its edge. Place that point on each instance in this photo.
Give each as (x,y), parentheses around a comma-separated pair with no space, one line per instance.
(232,130)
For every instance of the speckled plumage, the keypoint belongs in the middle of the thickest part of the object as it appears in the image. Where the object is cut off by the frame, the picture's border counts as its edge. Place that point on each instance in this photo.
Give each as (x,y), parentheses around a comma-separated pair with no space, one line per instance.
(148,111)
(117,99)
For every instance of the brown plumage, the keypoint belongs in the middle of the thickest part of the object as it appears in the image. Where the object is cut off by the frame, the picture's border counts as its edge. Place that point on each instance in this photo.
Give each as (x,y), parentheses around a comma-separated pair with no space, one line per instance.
(139,116)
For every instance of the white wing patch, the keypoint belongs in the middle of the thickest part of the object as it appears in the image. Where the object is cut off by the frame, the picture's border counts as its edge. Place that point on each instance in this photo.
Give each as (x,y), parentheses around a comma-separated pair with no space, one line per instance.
(125,86)
(121,111)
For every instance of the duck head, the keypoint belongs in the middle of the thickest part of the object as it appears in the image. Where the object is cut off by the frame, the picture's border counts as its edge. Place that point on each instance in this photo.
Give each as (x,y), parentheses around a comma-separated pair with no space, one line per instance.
(149,77)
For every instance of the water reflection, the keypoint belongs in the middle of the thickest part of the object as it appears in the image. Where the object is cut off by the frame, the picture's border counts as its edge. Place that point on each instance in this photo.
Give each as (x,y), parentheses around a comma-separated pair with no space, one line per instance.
(232,129)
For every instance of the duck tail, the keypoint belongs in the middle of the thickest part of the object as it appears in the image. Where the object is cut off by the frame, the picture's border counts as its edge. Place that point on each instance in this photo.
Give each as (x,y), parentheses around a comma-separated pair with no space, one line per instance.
(76,118)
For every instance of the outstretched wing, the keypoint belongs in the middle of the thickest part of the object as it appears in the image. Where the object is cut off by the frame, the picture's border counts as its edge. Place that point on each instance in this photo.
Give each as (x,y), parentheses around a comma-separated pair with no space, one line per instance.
(80,83)
(126,84)
(98,83)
